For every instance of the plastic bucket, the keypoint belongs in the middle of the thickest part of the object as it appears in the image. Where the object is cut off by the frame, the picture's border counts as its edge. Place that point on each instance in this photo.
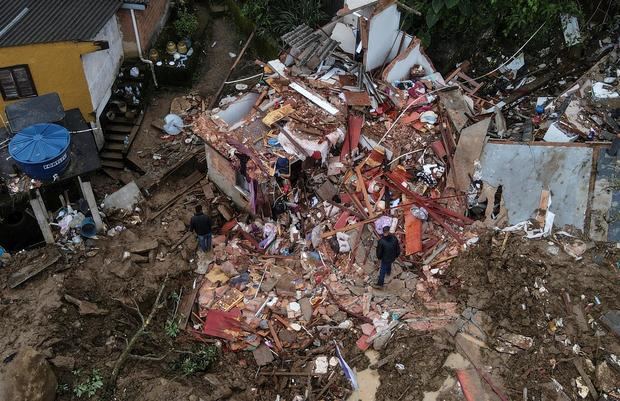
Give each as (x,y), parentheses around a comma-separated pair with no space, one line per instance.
(88,228)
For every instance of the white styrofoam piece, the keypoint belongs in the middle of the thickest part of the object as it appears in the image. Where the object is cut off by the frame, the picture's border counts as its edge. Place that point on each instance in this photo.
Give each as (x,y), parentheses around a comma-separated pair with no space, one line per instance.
(555,134)
(382,34)
(344,35)
(399,68)
(314,98)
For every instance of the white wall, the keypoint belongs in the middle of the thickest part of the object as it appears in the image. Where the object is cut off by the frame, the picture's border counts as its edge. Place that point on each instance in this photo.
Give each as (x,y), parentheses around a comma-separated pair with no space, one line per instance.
(382,37)
(101,67)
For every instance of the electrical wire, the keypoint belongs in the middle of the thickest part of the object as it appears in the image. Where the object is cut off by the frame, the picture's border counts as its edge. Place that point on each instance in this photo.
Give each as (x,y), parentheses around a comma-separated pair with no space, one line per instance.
(245,79)
(514,55)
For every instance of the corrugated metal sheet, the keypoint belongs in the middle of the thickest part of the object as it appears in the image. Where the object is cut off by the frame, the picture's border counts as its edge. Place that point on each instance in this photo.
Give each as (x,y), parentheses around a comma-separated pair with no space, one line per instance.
(42,21)
(311,43)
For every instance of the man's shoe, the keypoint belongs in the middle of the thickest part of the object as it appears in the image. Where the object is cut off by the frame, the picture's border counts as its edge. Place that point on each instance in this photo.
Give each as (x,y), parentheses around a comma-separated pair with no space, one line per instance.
(377,286)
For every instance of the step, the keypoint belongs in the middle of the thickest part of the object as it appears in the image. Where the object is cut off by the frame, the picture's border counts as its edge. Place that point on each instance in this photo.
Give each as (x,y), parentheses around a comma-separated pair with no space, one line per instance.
(117,128)
(116,137)
(114,146)
(112,164)
(111,155)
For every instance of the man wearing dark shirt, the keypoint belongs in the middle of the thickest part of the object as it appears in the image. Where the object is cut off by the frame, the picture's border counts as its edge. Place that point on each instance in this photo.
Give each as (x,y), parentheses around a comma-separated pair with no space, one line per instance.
(388,250)
(201,225)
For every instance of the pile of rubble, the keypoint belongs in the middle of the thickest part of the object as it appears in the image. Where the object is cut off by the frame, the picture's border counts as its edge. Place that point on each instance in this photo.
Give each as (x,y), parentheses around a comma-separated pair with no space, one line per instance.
(334,144)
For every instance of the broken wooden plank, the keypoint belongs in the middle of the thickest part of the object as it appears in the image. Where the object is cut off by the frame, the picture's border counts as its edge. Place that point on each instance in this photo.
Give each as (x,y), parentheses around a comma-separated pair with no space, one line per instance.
(362,188)
(186,305)
(579,365)
(274,335)
(272,373)
(143,246)
(207,189)
(30,271)
(542,207)
(413,234)
(225,211)
(85,307)
(348,228)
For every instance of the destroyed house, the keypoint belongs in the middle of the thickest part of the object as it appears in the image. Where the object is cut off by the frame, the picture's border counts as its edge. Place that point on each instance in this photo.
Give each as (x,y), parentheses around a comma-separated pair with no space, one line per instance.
(358,94)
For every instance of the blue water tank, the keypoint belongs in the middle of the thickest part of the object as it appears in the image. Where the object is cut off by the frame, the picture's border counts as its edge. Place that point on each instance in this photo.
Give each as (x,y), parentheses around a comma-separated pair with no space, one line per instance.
(41,150)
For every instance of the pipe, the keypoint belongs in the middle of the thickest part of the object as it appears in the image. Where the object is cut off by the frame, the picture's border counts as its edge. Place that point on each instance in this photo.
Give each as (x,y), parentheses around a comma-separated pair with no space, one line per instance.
(137,35)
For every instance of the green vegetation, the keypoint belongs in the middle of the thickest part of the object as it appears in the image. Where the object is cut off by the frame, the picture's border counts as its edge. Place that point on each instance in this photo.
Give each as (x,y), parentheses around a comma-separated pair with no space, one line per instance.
(172,328)
(186,23)
(505,18)
(277,17)
(89,386)
(199,361)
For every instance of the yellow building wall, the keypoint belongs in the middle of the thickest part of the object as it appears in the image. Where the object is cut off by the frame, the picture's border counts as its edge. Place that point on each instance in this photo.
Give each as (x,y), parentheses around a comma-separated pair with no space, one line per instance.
(55,67)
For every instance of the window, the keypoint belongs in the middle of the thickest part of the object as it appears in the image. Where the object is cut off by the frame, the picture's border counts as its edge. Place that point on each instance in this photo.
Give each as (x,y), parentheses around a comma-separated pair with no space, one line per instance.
(16,82)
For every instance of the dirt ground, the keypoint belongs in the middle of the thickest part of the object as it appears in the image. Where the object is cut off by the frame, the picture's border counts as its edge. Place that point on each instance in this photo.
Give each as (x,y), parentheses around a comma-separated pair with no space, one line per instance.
(485,278)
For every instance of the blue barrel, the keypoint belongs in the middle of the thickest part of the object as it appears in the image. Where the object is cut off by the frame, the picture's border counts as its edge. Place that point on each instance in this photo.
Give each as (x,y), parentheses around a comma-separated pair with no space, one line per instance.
(41,150)
(88,228)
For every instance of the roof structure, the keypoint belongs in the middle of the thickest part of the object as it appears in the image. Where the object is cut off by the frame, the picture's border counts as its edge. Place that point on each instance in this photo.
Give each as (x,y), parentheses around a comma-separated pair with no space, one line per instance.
(25,22)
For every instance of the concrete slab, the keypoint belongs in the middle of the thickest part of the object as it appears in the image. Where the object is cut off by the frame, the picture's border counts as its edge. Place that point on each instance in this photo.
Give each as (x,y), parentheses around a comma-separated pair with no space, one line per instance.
(525,170)
(382,34)
(605,205)
(125,198)
(239,109)
(468,150)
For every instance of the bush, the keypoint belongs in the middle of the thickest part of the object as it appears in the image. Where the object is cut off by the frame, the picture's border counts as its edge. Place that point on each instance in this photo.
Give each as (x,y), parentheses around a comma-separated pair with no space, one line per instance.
(185,24)
(506,18)
(89,386)
(277,17)
(199,361)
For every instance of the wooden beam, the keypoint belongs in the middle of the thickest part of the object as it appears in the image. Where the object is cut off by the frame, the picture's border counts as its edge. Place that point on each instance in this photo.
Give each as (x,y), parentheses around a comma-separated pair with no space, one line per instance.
(41,215)
(349,227)
(87,191)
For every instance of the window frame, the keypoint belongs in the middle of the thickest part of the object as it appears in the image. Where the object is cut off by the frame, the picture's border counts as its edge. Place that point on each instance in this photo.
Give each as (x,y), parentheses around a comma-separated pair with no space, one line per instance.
(19,95)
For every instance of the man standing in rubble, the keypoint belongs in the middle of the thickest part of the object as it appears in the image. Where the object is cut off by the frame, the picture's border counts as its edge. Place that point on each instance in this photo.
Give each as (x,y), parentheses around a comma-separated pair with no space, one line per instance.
(201,225)
(388,250)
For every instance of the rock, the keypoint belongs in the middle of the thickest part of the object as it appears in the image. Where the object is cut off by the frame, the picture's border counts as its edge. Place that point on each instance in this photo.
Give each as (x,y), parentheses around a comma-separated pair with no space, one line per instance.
(339,316)
(122,270)
(160,389)
(229,269)
(606,379)
(395,286)
(85,307)
(396,270)
(143,246)
(306,309)
(177,226)
(179,106)
(27,377)
(381,341)
(139,258)
(287,336)
(331,310)
(368,329)
(125,198)
(63,362)
(129,236)
(262,355)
